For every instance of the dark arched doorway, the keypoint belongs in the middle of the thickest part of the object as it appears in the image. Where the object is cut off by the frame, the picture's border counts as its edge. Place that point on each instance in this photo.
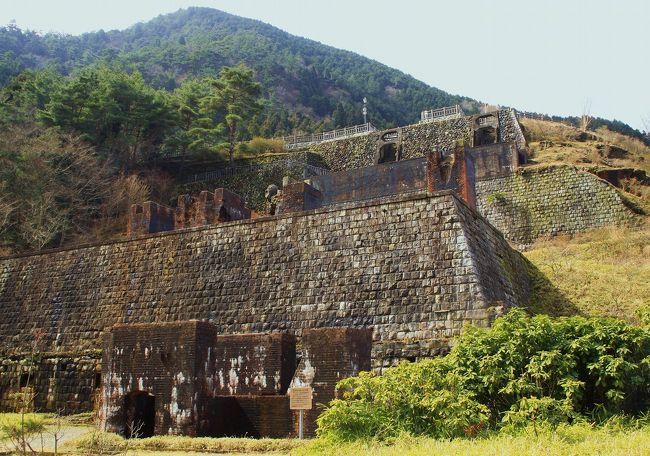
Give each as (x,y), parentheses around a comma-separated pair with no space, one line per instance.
(387,153)
(140,409)
(485,136)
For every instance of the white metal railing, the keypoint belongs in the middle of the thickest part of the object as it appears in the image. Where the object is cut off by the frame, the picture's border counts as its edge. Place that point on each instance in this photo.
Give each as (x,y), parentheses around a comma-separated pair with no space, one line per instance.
(448,112)
(294,141)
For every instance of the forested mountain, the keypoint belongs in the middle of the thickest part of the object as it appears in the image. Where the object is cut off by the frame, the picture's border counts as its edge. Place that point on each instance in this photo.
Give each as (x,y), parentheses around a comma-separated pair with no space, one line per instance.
(322,86)
(91,124)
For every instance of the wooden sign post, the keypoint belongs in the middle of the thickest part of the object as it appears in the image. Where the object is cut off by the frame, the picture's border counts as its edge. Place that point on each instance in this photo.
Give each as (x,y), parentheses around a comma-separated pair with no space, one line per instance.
(300,399)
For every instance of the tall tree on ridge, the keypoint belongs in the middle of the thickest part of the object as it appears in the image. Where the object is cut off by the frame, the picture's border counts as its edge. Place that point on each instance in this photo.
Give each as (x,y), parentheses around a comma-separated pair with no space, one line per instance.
(235,97)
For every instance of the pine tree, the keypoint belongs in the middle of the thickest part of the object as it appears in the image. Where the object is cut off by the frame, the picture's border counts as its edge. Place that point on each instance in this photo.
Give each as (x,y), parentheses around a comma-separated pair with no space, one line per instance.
(235,96)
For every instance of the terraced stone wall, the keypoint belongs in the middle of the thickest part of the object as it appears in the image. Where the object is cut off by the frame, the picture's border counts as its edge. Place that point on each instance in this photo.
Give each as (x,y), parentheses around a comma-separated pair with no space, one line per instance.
(416,141)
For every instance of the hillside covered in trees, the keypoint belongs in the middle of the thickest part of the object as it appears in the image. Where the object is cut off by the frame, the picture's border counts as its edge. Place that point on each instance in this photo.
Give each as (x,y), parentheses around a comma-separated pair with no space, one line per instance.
(306,85)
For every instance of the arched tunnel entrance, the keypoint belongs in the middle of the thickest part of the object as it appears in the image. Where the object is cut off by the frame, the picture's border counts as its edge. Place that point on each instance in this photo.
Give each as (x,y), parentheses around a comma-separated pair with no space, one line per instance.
(387,153)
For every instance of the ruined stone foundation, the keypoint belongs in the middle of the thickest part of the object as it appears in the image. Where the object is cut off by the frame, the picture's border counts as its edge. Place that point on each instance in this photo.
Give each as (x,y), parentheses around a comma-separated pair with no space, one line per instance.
(412,269)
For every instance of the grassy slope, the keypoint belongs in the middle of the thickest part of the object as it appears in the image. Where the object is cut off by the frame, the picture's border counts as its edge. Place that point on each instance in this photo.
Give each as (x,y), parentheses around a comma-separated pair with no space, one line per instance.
(601,272)
(556,143)
(605,271)
(569,440)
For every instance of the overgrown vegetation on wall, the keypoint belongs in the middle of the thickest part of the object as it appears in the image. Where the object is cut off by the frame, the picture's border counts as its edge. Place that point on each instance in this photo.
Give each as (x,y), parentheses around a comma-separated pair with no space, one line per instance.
(524,370)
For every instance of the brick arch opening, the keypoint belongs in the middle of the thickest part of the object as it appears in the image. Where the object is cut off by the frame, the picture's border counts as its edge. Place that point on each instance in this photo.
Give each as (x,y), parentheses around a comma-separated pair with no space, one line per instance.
(140,414)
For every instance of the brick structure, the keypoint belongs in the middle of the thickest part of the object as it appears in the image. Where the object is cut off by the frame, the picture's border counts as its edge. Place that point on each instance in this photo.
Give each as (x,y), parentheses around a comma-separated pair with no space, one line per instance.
(363,184)
(298,196)
(149,373)
(430,173)
(184,378)
(197,316)
(149,217)
(200,315)
(252,416)
(495,160)
(206,209)
(330,355)
(209,209)
(454,172)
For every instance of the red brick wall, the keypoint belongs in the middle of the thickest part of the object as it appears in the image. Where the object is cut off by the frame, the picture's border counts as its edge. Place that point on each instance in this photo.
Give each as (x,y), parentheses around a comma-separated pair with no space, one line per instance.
(328,356)
(297,197)
(149,217)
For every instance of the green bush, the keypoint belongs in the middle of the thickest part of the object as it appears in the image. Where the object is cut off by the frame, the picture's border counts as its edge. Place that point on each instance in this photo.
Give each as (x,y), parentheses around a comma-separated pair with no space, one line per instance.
(13,425)
(423,398)
(524,369)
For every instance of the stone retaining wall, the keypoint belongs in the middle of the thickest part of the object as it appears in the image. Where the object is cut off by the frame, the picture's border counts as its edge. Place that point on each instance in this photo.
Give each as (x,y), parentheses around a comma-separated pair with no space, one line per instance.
(57,382)
(542,202)
(416,140)
(415,269)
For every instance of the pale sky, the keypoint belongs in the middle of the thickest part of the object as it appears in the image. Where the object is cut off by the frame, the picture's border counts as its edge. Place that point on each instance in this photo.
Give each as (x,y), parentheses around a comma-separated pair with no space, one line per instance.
(550,56)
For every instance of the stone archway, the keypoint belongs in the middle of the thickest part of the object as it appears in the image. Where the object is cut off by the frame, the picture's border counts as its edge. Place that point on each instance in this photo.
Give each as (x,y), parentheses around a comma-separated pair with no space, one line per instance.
(486,130)
(485,136)
(387,153)
(389,147)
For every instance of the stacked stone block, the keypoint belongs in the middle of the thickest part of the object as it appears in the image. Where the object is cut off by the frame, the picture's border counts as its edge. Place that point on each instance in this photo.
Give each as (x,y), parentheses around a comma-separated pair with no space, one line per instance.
(404,266)
(64,383)
(416,141)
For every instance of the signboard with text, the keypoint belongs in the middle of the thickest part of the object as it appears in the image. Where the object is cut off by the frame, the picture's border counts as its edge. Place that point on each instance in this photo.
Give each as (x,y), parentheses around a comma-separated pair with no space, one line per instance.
(300,398)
